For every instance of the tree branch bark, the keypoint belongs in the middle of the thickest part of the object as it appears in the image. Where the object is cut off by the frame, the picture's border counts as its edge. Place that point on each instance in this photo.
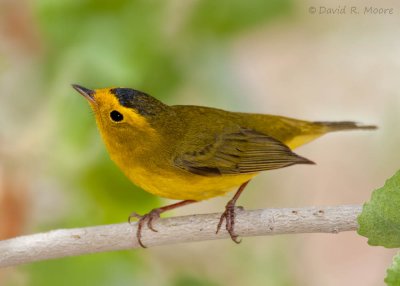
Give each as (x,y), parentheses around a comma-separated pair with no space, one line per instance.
(71,242)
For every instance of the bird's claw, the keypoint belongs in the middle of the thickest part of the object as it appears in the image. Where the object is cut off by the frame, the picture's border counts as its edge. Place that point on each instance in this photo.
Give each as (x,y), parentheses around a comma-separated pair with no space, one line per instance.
(229,216)
(134,215)
(144,219)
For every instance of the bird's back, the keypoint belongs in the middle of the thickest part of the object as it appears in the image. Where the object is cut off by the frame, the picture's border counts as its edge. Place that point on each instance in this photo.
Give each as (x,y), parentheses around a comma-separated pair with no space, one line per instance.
(203,123)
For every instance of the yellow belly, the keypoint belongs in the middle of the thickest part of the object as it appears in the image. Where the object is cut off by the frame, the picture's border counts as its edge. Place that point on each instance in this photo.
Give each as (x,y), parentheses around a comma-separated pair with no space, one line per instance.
(183,185)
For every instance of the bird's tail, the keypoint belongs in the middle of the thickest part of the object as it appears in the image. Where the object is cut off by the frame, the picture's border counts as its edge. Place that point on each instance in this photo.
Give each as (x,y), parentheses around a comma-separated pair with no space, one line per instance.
(343,125)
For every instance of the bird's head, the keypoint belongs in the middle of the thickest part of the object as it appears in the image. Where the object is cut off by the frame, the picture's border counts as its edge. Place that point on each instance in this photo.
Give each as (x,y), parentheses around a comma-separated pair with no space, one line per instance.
(123,114)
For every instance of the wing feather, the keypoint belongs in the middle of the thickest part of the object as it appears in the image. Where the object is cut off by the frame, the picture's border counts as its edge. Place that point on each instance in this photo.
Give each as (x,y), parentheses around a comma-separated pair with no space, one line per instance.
(244,151)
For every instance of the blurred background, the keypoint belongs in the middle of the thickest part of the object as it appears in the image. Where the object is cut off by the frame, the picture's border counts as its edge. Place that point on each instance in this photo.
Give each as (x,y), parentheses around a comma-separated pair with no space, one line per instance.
(279,56)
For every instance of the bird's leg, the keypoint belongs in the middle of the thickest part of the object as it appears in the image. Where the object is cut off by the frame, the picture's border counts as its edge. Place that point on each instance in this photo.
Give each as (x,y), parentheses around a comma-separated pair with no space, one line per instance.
(149,217)
(229,214)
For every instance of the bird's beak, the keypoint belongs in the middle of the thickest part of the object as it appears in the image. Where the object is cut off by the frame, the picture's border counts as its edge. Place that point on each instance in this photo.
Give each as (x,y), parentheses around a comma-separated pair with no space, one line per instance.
(87,93)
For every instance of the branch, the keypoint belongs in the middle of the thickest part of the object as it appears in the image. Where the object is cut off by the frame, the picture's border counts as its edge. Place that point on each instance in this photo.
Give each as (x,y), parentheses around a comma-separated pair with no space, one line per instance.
(71,242)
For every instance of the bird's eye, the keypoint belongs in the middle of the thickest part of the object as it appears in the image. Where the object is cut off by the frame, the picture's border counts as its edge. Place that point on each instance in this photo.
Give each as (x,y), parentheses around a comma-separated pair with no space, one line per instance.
(116,116)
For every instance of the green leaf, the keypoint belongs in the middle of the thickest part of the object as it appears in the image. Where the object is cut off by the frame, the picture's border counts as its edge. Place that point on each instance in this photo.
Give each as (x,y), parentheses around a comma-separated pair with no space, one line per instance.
(380,218)
(393,273)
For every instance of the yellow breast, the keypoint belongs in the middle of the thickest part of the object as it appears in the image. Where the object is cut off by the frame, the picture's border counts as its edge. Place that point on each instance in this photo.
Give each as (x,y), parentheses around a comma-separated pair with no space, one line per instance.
(181,185)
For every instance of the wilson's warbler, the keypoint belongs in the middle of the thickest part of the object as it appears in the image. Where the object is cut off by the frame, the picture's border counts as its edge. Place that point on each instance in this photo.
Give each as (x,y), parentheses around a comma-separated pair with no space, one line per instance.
(193,153)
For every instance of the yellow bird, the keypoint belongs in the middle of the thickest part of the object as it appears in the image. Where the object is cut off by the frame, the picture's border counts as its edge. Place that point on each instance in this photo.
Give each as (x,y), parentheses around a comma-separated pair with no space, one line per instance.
(193,153)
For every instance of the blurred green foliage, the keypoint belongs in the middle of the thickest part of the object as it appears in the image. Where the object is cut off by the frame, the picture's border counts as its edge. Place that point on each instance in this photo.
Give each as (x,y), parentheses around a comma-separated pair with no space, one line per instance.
(227,18)
(185,280)
(98,269)
(155,46)
(393,273)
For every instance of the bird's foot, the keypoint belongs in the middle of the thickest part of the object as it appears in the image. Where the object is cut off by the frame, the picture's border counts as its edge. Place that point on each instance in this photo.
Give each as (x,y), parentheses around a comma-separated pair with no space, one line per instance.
(151,216)
(145,219)
(229,216)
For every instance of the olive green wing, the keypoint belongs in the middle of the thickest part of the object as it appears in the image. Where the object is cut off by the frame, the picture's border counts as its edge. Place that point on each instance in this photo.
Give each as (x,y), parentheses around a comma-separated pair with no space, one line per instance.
(241,152)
